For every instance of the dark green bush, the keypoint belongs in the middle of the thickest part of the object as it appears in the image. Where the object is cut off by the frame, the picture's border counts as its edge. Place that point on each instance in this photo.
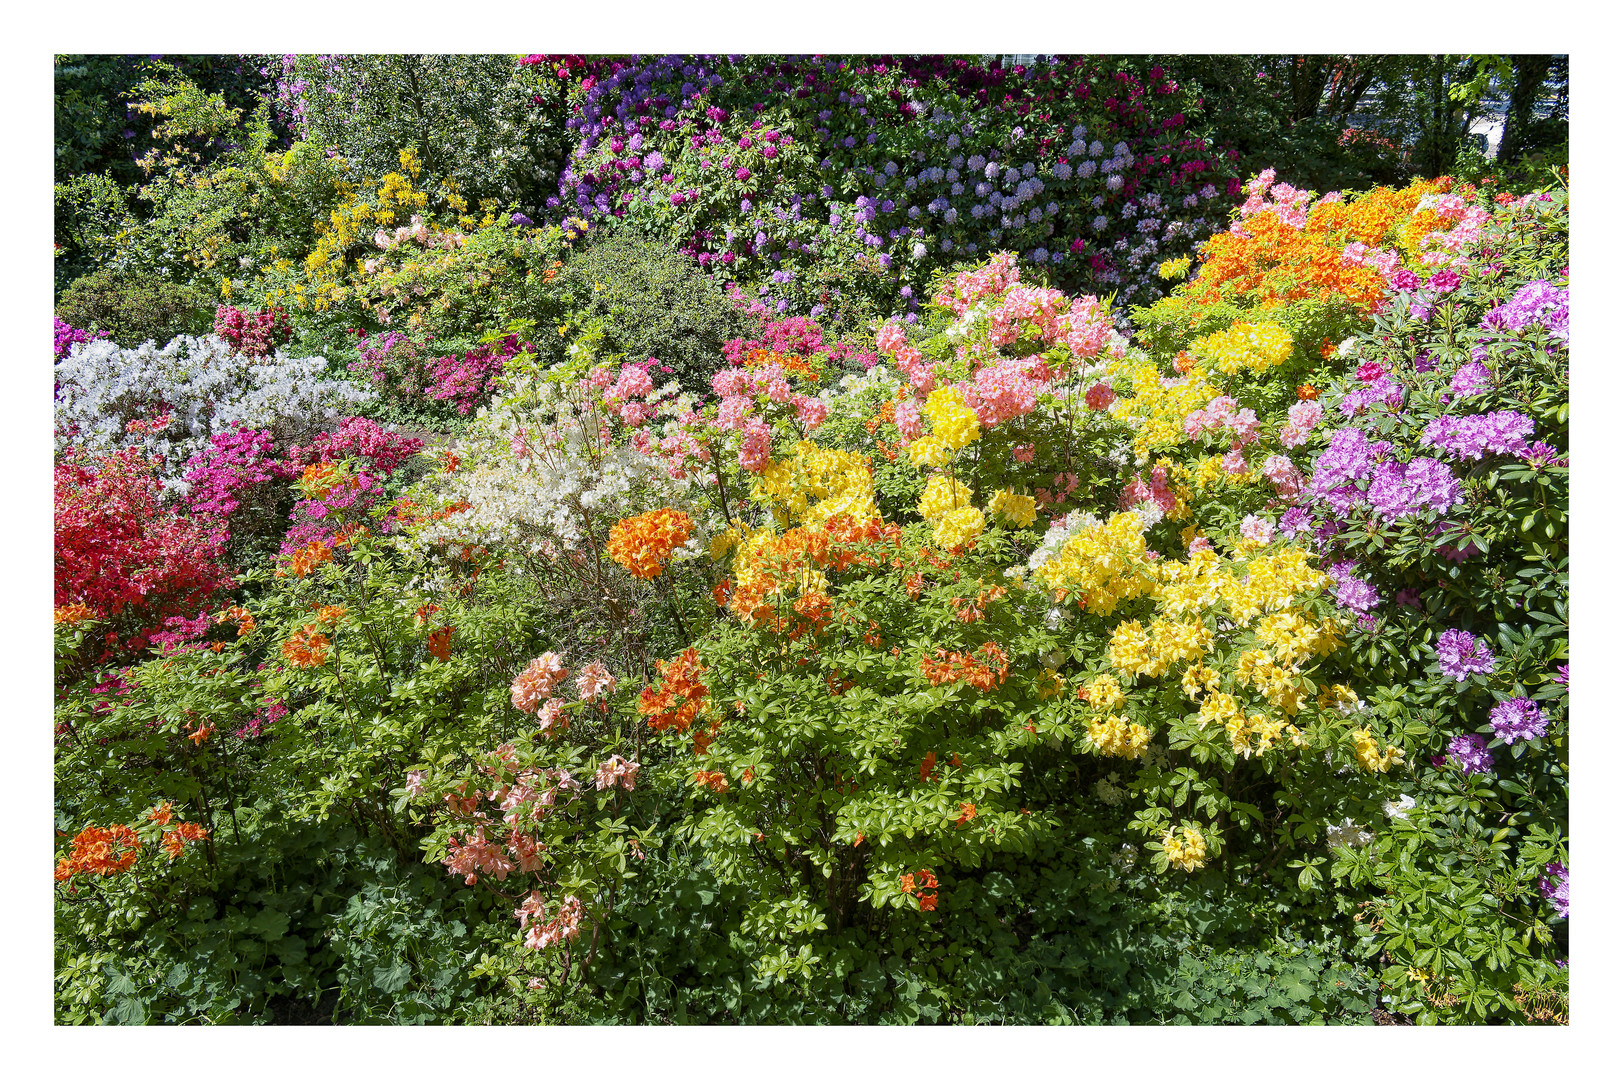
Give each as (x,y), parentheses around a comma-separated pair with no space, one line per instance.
(134,307)
(657,303)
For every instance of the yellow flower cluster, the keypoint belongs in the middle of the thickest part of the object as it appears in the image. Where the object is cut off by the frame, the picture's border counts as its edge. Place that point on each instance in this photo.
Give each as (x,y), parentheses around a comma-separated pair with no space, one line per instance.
(1271,581)
(1173,269)
(1019,510)
(1116,737)
(1253,346)
(1155,410)
(1370,756)
(816,484)
(1104,564)
(1185,848)
(1104,693)
(958,527)
(953,426)
(942,495)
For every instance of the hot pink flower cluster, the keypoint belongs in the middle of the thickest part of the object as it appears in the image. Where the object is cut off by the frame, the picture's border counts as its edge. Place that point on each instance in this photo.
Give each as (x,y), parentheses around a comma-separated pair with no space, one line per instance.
(253,333)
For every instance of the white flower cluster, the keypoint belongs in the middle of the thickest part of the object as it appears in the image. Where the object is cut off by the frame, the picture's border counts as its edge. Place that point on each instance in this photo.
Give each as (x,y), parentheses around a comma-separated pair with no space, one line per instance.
(108,397)
(540,469)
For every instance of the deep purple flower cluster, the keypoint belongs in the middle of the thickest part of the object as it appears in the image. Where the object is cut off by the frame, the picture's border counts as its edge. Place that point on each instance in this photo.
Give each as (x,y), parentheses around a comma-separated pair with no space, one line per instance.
(1470,753)
(1553,887)
(1461,655)
(1518,718)
(1502,432)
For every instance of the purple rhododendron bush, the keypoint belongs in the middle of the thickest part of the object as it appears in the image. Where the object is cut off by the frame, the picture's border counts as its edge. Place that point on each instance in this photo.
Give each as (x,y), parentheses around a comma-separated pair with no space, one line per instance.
(793,608)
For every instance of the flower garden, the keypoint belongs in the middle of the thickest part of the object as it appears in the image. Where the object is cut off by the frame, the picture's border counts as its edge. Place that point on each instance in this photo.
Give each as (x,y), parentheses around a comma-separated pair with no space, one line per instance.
(800,540)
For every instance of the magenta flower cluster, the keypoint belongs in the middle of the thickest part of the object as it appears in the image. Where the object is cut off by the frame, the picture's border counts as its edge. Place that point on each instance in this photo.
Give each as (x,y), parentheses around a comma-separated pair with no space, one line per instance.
(1460,655)
(234,464)
(1536,304)
(255,333)
(358,437)
(1518,718)
(67,337)
(1470,753)
(1502,432)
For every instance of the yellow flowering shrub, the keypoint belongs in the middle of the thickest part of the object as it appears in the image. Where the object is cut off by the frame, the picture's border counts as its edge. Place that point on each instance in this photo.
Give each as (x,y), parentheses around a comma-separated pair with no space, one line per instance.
(1018,510)
(1245,347)
(1102,565)
(1157,405)
(814,484)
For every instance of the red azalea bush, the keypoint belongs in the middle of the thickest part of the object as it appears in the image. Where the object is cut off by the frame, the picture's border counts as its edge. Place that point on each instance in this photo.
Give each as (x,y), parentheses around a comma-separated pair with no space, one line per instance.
(124,555)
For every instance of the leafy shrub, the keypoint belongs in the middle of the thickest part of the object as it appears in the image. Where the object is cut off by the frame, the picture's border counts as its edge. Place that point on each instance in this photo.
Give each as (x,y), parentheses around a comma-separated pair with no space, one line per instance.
(131,307)
(654,303)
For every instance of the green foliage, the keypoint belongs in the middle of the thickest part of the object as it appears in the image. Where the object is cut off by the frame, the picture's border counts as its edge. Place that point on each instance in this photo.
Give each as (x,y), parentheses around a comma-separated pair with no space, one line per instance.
(654,303)
(473,119)
(134,306)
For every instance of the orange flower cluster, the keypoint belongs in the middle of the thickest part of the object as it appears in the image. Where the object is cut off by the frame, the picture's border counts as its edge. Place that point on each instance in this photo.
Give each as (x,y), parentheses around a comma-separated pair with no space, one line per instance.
(947,667)
(641,543)
(922,884)
(439,643)
(306,559)
(715,781)
(680,694)
(306,648)
(100,851)
(791,362)
(1306,392)
(966,814)
(319,479)
(72,615)
(970,611)
(175,840)
(330,613)
(239,615)
(422,614)
(1276,263)
(791,560)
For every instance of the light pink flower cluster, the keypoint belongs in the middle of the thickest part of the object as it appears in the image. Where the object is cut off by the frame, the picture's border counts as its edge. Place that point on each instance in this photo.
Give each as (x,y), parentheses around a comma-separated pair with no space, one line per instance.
(755,449)
(474,855)
(1283,474)
(1099,396)
(564,926)
(1300,420)
(1025,306)
(1006,389)
(1156,490)
(617,770)
(1064,484)
(966,288)
(594,681)
(537,681)
(891,340)
(414,783)
(1289,204)
(1384,262)
(627,395)
(1257,528)
(1220,413)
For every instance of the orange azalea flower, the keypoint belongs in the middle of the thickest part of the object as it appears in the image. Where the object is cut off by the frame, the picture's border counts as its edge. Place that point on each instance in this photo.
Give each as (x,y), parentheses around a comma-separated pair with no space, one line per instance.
(680,694)
(927,903)
(200,736)
(330,613)
(1307,392)
(73,614)
(907,884)
(439,643)
(423,612)
(239,615)
(1184,363)
(161,814)
(306,648)
(927,766)
(306,559)
(642,542)
(967,813)
(715,781)
(103,851)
